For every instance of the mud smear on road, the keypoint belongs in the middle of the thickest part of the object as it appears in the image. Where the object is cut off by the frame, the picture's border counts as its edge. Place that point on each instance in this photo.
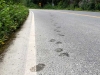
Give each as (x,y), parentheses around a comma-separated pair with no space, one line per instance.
(61,35)
(58,27)
(58,42)
(52,40)
(37,68)
(64,54)
(56,30)
(59,50)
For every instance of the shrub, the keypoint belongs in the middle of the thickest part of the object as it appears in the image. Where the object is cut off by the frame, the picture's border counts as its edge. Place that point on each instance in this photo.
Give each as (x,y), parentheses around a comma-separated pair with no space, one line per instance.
(84,5)
(32,5)
(11,17)
(97,6)
(72,6)
(59,6)
(79,9)
(49,6)
(91,6)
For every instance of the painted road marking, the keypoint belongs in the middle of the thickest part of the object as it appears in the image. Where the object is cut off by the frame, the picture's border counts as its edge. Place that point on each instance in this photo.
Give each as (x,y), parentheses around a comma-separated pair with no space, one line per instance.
(31,51)
(73,13)
(82,14)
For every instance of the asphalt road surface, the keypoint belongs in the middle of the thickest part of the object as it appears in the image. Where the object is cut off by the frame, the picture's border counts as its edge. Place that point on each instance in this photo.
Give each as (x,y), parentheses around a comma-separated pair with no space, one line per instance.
(66,43)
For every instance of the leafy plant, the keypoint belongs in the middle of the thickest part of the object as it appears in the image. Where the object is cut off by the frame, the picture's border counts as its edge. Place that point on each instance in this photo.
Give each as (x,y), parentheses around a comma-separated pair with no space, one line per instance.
(11,17)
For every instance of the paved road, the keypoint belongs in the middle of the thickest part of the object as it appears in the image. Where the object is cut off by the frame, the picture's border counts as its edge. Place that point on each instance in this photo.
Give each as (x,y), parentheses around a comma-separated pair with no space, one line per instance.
(66,43)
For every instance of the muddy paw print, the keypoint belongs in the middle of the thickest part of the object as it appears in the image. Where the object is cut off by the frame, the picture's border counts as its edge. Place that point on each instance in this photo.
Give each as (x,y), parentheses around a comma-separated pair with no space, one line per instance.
(38,67)
(59,50)
(58,42)
(64,54)
(52,40)
(61,35)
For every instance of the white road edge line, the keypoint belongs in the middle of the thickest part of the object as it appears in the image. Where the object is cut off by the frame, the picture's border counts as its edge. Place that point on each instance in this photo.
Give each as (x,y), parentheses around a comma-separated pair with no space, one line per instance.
(31,51)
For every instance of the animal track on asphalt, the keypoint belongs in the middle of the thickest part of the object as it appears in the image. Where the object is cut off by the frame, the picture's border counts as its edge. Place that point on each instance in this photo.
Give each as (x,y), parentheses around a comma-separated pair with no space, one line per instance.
(59,50)
(59,27)
(52,40)
(58,42)
(61,35)
(56,30)
(37,68)
(64,54)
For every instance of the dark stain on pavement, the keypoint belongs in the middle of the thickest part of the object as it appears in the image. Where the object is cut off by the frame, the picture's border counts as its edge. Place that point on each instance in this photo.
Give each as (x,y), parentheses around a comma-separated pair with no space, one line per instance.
(61,35)
(59,50)
(52,40)
(58,42)
(58,27)
(64,54)
(54,24)
(37,68)
(57,31)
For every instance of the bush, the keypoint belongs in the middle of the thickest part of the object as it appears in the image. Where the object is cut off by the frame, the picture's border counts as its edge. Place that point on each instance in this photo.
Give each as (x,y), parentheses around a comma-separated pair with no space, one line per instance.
(91,6)
(72,6)
(59,6)
(11,17)
(84,5)
(32,5)
(97,6)
(78,9)
(49,6)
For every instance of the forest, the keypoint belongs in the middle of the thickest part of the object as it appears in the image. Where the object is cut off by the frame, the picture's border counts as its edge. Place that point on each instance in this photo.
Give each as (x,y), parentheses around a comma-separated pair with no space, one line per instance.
(61,4)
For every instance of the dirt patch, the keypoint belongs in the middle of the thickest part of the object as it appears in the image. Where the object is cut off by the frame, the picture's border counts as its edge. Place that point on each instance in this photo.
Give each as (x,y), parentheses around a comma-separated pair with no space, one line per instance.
(37,68)
(1,57)
(7,43)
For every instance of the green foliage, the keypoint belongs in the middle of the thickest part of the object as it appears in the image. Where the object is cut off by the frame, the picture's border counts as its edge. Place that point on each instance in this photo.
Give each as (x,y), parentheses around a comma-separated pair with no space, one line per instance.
(11,17)
(72,6)
(84,5)
(32,5)
(91,5)
(2,4)
(49,6)
(97,6)
(63,4)
(60,4)
(78,9)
